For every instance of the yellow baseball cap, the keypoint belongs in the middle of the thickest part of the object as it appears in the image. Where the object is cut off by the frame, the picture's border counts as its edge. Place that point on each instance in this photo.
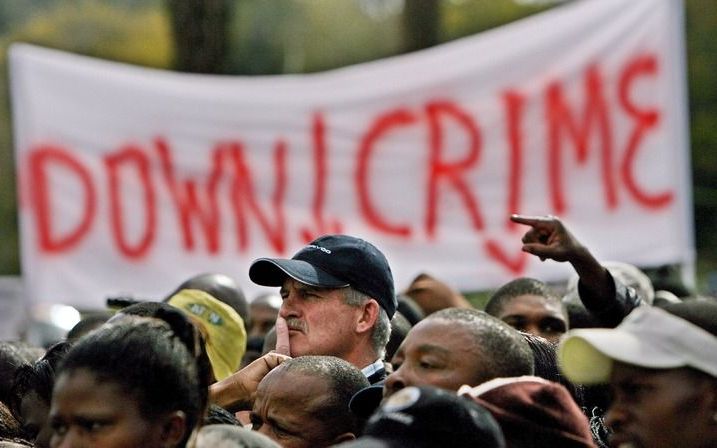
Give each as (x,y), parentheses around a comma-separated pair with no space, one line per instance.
(222,328)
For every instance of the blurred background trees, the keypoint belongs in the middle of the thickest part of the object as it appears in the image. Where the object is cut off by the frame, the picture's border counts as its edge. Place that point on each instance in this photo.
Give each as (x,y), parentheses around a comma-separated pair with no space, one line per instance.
(252,37)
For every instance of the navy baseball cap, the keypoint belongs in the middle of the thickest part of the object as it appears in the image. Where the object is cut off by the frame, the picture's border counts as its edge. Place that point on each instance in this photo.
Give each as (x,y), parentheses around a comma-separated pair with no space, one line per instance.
(333,261)
(365,402)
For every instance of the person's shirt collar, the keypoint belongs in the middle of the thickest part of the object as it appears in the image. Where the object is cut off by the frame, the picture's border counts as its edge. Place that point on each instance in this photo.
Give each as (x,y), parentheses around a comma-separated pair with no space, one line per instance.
(372,368)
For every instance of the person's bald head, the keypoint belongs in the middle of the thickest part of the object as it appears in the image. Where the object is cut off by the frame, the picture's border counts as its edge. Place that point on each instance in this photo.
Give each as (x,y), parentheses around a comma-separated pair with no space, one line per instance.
(505,351)
(306,399)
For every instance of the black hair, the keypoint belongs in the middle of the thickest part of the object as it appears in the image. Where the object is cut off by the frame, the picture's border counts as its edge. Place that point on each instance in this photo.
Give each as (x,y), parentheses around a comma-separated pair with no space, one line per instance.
(38,377)
(217,415)
(87,324)
(343,379)
(506,353)
(13,355)
(161,363)
(144,309)
(545,360)
(400,326)
(520,287)
(410,309)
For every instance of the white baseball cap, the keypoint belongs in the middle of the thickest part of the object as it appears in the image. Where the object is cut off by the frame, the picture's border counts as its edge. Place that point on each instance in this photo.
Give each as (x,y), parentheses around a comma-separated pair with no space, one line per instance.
(649,337)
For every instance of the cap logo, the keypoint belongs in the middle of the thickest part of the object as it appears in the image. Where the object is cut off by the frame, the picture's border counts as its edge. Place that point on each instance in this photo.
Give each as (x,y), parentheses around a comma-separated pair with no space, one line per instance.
(402,399)
(204,312)
(322,249)
(400,417)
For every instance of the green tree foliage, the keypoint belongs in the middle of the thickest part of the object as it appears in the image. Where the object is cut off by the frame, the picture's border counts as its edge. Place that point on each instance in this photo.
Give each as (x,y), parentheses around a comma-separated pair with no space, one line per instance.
(136,32)
(138,35)
(466,17)
(303,36)
(701,23)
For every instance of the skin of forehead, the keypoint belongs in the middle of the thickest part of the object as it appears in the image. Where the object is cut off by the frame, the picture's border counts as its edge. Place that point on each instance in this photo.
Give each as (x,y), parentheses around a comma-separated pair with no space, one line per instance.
(279,387)
(531,301)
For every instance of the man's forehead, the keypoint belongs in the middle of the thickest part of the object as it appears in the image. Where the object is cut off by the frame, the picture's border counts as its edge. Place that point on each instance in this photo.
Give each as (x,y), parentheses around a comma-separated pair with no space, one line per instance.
(271,376)
(434,348)
(443,336)
(294,387)
(524,313)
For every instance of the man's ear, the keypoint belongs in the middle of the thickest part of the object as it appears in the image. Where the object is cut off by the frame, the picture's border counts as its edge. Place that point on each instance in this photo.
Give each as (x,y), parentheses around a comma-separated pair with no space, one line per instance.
(345,437)
(368,317)
(174,429)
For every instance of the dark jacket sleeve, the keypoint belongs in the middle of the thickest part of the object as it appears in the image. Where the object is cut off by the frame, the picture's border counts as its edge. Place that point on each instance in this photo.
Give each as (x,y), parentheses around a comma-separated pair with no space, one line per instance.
(609,311)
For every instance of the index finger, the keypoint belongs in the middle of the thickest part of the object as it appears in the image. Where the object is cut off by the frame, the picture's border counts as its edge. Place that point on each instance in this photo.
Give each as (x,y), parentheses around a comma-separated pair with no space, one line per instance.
(282,337)
(532,220)
(273,359)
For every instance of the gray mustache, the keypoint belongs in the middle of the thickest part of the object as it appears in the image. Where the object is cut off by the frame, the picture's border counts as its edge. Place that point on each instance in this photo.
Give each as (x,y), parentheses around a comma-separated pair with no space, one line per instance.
(295,324)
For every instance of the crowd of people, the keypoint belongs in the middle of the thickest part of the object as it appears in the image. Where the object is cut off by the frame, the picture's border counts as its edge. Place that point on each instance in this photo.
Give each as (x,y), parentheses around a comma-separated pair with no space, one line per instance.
(338,357)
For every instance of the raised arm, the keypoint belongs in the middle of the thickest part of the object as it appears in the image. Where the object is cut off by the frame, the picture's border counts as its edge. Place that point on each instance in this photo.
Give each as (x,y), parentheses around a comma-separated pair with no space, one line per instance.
(548,238)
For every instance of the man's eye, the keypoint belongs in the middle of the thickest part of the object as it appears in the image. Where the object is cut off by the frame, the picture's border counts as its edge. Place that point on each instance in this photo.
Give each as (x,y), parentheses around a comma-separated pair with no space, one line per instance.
(255,421)
(518,324)
(308,293)
(280,432)
(92,426)
(426,365)
(553,327)
(58,428)
(633,392)
(634,389)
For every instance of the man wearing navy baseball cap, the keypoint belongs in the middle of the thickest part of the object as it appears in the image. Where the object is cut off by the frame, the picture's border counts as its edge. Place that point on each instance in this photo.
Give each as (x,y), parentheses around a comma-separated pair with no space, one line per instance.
(338,299)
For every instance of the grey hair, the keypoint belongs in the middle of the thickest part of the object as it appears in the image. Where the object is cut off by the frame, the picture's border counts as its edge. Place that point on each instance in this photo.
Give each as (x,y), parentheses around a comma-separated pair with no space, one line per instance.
(382,327)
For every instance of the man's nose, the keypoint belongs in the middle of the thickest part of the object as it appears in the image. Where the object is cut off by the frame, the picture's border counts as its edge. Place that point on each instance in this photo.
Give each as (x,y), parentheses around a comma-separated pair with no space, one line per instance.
(395,382)
(289,306)
(71,439)
(287,310)
(615,416)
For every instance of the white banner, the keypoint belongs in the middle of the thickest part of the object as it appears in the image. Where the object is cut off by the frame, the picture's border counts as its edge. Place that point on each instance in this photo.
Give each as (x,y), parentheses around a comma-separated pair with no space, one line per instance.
(133,179)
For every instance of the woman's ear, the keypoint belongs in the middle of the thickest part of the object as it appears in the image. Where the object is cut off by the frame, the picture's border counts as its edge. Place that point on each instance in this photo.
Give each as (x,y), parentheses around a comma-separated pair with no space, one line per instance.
(174,429)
